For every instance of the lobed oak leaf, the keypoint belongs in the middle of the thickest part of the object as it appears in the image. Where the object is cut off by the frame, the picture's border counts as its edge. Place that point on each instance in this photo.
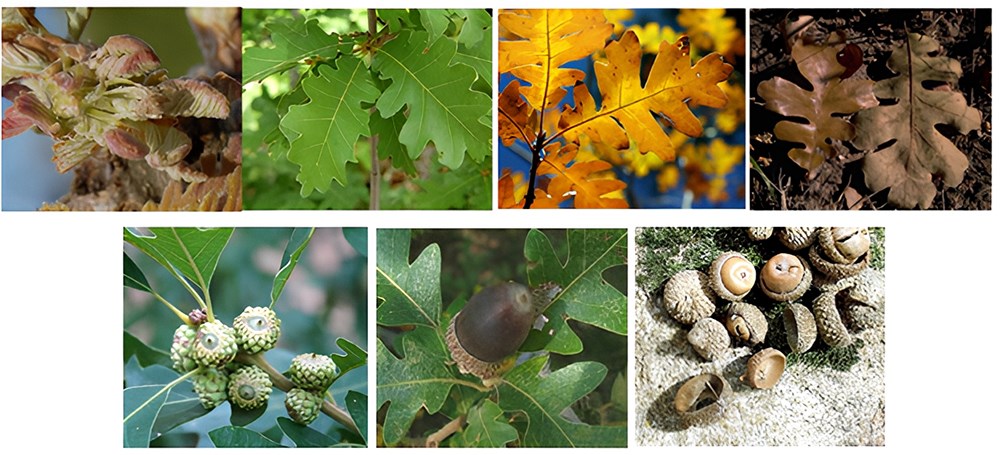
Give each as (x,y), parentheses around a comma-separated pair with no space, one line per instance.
(918,151)
(548,39)
(581,180)
(672,88)
(822,107)
(295,40)
(517,120)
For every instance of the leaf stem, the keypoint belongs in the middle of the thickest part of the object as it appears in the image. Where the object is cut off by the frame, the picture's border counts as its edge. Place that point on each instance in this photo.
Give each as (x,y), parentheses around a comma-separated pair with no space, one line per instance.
(375,177)
(169,305)
(165,388)
(472,385)
(280,381)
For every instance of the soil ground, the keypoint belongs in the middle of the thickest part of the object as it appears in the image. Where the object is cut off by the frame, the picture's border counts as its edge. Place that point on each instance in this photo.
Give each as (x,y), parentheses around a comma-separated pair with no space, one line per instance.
(779,184)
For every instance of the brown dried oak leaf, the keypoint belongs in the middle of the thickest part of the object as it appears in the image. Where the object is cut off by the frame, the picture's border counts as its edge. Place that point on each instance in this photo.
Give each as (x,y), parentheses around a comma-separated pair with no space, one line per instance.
(820,106)
(919,151)
(672,88)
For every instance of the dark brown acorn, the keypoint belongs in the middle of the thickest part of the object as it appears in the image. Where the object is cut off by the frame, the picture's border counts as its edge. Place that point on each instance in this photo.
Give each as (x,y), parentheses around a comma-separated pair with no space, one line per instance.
(493,325)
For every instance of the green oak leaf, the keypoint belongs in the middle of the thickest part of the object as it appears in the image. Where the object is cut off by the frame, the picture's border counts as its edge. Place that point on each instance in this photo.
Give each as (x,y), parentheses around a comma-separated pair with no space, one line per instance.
(442,107)
(302,435)
(410,294)
(353,357)
(357,406)
(323,131)
(487,427)
(466,187)
(421,378)
(239,437)
(295,39)
(397,19)
(388,130)
(480,59)
(194,252)
(146,355)
(542,398)
(289,259)
(478,25)
(585,295)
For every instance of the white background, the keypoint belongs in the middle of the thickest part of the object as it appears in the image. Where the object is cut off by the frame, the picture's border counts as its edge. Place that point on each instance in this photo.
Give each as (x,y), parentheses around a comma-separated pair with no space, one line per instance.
(61,293)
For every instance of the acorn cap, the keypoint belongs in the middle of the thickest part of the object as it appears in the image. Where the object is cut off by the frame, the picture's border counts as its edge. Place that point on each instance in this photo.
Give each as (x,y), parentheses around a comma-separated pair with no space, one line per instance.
(210,384)
(759,233)
(835,270)
(764,369)
(800,327)
(180,349)
(829,323)
(214,345)
(467,364)
(257,329)
(844,245)
(746,322)
(312,371)
(709,338)
(797,238)
(303,405)
(249,387)
(688,297)
(702,399)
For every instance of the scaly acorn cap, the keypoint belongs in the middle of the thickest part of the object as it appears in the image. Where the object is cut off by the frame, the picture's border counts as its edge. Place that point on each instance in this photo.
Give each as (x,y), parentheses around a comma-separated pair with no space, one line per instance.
(249,387)
(214,345)
(257,329)
(312,371)
(180,350)
(210,384)
(302,405)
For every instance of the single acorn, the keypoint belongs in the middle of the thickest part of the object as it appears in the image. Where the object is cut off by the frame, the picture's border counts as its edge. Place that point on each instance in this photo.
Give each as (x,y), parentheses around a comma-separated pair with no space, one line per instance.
(493,325)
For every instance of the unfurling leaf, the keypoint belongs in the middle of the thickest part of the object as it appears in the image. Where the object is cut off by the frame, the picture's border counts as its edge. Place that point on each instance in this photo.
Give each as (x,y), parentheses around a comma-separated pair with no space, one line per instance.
(193,98)
(672,88)
(580,180)
(123,56)
(919,151)
(822,107)
(549,39)
(442,107)
(323,131)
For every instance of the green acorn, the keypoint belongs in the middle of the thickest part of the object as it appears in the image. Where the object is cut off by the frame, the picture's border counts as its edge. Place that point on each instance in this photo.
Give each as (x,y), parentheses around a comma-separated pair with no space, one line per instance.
(303,406)
(312,371)
(249,387)
(180,350)
(257,329)
(210,385)
(214,345)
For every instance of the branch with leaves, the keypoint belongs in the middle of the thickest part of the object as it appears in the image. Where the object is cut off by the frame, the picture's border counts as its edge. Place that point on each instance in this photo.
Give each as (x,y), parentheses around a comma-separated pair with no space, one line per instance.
(392,100)
(211,363)
(552,380)
(589,153)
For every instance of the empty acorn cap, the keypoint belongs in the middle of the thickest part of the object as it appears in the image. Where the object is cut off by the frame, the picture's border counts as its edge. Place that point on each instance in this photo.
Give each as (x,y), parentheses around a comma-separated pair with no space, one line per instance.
(709,338)
(759,233)
(835,270)
(688,297)
(732,276)
(785,277)
(746,322)
(702,399)
(764,369)
(829,324)
(800,327)
(797,238)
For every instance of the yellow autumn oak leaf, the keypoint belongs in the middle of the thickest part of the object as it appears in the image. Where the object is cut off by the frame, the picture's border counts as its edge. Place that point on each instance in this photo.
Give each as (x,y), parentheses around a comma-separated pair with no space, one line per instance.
(672,88)
(517,120)
(710,30)
(581,180)
(511,189)
(548,39)
(734,114)
(652,34)
(618,17)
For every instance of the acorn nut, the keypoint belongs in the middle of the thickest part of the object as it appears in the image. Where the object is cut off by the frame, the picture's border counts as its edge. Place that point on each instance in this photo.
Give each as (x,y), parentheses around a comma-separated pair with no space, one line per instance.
(732,276)
(493,325)
(785,277)
(688,297)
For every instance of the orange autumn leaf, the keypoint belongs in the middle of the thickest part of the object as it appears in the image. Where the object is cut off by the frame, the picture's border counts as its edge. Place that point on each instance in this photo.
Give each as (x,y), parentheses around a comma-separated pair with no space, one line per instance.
(581,180)
(672,88)
(517,120)
(549,39)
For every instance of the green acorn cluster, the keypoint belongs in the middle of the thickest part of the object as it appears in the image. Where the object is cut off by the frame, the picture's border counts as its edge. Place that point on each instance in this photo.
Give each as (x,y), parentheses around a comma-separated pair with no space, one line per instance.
(312,374)
(211,348)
